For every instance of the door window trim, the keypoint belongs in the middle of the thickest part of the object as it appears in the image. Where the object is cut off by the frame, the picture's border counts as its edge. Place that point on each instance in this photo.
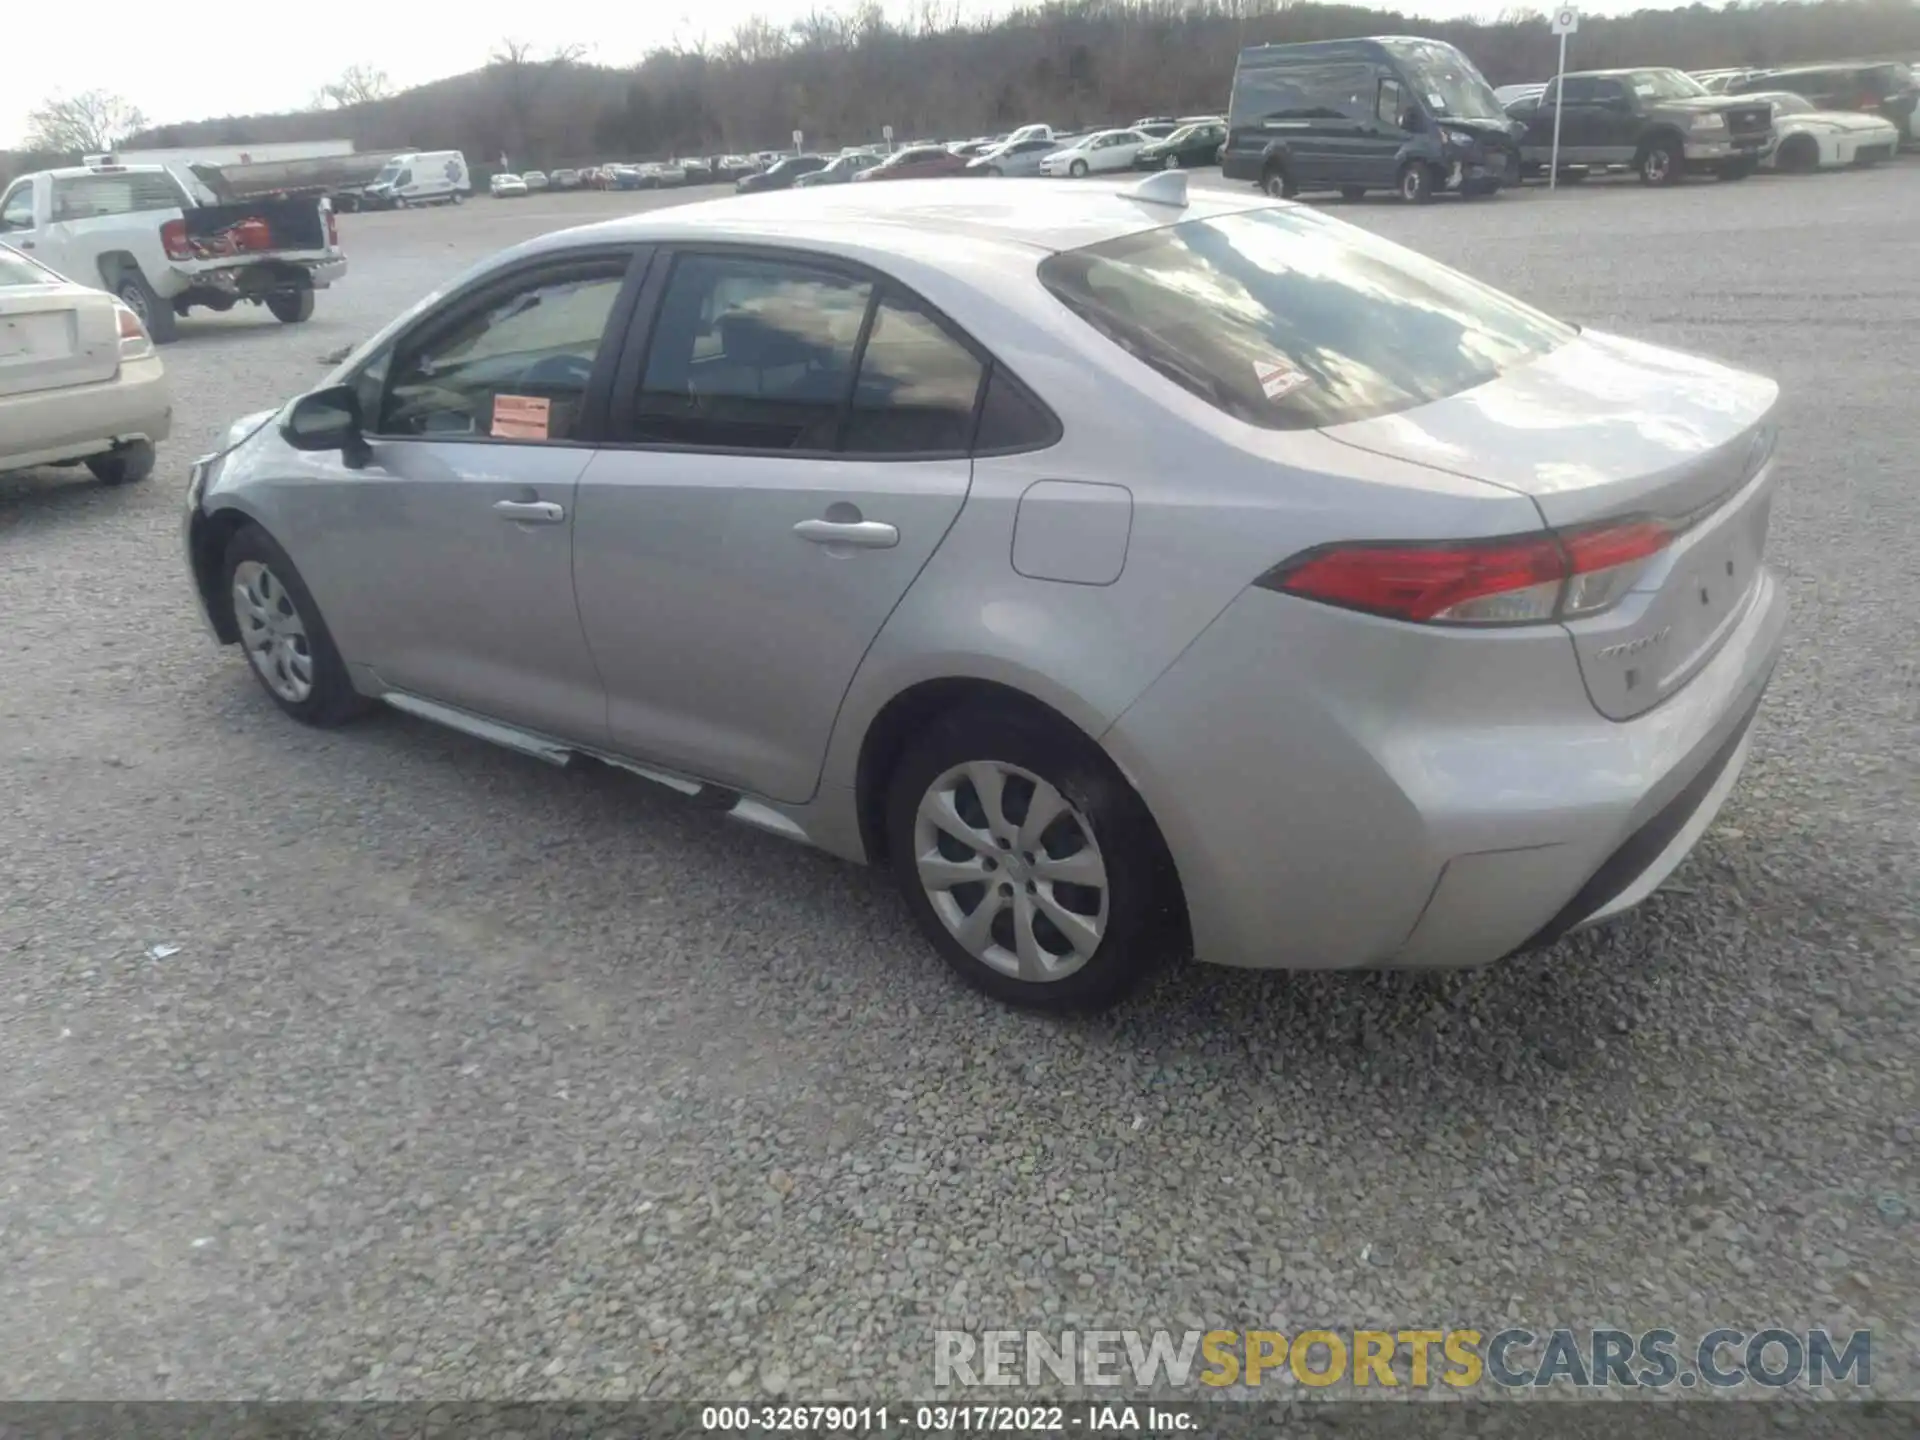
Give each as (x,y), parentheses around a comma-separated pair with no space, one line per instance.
(629,373)
(488,289)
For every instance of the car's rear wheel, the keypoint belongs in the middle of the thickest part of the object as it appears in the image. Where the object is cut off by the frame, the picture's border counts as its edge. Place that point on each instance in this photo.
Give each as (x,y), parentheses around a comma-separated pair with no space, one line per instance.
(285,640)
(1662,162)
(123,466)
(291,307)
(1416,182)
(138,296)
(1277,183)
(1028,862)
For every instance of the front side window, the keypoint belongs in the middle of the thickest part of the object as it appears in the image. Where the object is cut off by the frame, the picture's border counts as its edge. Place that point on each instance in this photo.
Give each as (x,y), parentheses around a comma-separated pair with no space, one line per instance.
(16,211)
(916,390)
(514,367)
(750,354)
(1392,105)
(1289,320)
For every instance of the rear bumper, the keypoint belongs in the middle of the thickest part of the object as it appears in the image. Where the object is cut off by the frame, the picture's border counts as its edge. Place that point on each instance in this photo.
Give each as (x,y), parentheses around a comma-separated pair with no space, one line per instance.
(1340,792)
(85,420)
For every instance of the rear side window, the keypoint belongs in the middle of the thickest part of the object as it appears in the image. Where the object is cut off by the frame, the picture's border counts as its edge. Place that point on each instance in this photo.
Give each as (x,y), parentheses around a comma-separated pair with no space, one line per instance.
(916,390)
(1289,320)
(89,197)
(1315,91)
(750,354)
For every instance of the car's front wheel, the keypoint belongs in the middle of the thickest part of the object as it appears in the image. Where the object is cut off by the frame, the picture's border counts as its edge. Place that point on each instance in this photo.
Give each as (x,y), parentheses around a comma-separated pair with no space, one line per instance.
(1172,162)
(1416,183)
(285,640)
(1077,169)
(1662,162)
(1027,860)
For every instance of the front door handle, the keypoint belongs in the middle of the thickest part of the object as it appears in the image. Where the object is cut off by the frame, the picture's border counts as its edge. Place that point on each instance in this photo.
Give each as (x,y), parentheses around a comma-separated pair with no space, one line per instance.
(867,534)
(530,512)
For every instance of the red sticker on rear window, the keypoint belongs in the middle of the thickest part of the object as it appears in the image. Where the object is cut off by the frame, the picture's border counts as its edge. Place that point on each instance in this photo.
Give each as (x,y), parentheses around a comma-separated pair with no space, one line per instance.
(1278,378)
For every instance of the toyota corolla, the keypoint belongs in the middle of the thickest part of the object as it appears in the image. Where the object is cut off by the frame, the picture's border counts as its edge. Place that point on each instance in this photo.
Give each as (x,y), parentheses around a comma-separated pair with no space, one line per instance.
(1122,569)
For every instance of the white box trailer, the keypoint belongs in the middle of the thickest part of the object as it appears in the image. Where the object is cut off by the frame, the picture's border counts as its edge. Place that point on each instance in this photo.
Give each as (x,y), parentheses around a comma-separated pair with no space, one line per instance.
(224,155)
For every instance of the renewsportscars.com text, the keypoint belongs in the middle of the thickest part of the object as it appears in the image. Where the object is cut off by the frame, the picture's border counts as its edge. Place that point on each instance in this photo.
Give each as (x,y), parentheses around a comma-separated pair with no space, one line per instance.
(1513,1358)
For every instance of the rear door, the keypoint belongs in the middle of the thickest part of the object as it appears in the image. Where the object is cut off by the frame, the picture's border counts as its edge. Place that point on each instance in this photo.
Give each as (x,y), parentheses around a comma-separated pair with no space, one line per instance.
(1600,113)
(789,444)
(52,334)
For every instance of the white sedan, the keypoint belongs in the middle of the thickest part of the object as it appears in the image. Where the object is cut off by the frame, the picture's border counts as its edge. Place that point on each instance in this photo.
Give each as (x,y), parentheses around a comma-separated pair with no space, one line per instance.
(507,186)
(1806,138)
(80,381)
(1092,154)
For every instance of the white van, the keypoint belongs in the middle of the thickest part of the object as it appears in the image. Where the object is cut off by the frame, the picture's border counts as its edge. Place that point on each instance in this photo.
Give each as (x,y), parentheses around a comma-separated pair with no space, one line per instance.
(429,177)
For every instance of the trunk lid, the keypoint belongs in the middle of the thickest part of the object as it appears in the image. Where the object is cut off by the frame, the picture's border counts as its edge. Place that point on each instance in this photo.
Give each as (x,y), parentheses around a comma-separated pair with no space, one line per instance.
(56,336)
(1609,429)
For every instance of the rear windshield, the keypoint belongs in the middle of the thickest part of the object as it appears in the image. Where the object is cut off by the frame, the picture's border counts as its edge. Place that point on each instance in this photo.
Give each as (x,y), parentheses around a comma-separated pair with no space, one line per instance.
(1290,320)
(18,270)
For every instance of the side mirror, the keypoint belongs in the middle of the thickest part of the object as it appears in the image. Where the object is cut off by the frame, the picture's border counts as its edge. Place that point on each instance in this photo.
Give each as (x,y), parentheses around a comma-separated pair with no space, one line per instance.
(328,420)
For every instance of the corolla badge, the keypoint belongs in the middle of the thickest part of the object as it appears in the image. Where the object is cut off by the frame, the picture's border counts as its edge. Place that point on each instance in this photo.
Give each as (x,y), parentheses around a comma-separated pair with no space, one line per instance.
(1628,648)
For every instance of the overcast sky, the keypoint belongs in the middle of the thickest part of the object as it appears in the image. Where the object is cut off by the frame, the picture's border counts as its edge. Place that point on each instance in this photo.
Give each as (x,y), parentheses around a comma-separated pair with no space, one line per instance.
(192,64)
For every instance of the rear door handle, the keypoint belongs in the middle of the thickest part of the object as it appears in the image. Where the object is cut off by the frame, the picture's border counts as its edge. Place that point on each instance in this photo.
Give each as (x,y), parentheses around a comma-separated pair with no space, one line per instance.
(867,534)
(530,512)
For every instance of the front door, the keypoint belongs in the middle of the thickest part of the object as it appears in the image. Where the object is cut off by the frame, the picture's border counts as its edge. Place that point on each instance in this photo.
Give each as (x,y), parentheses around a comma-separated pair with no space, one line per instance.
(1395,119)
(19,228)
(795,447)
(446,561)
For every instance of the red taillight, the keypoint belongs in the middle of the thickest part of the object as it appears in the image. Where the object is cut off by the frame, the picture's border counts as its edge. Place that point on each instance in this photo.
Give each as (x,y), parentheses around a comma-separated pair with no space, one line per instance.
(1516,580)
(333,231)
(173,239)
(130,326)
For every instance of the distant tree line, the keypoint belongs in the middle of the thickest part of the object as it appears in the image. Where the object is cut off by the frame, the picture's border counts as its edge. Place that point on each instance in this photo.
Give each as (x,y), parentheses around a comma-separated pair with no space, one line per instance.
(840,76)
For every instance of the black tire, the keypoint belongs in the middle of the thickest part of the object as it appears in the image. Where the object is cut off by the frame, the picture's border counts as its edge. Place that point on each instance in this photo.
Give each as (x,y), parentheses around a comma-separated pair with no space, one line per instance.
(332,699)
(1798,154)
(138,296)
(1352,192)
(1172,162)
(1416,184)
(1661,161)
(1141,898)
(128,465)
(995,171)
(1077,169)
(1277,183)
(291,307)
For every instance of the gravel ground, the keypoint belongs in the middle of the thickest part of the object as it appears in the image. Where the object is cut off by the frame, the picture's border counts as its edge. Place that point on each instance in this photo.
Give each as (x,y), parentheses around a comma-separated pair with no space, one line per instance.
(474,1079)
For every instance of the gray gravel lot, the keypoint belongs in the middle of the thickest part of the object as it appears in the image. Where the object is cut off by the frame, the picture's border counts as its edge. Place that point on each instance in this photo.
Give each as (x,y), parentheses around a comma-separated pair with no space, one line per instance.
(475,1079)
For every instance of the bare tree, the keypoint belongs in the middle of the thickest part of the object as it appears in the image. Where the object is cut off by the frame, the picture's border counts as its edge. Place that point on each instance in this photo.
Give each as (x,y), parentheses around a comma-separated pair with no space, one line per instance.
(80,124)
(357,85)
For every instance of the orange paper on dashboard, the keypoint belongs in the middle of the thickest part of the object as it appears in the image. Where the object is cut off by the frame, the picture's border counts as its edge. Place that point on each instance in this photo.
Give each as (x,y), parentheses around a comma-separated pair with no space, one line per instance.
(520,417)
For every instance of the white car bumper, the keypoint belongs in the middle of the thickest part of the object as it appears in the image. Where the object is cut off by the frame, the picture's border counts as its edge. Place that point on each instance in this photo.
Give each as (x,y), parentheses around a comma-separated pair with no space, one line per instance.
(71,424)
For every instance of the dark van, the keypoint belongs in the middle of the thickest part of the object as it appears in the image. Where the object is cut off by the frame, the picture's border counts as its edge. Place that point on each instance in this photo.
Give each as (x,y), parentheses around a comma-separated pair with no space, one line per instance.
(1394,112)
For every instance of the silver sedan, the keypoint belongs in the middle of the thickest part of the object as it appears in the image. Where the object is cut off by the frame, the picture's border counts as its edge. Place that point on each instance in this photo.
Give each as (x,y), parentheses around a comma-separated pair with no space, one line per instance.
(1122,569)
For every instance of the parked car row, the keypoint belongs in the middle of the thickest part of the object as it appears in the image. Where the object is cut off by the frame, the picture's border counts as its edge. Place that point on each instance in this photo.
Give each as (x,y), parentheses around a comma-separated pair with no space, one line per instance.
(1415,116)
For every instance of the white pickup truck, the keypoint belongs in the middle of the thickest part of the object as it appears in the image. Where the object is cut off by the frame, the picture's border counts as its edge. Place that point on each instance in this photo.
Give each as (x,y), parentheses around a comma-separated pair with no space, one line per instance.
(138,232)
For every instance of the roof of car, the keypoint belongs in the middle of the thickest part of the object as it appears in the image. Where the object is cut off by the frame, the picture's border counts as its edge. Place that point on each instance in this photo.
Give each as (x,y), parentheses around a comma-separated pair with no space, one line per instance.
(914,215)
